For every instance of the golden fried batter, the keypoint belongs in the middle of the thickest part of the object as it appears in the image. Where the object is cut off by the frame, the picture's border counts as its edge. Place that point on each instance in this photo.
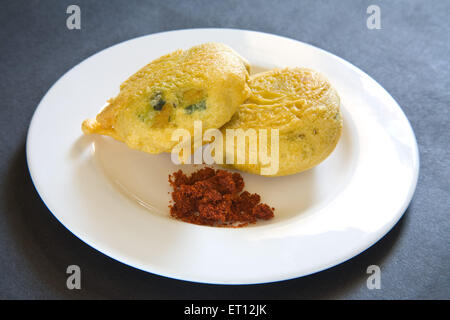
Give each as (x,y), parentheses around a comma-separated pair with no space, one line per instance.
(206,82)
(303,106)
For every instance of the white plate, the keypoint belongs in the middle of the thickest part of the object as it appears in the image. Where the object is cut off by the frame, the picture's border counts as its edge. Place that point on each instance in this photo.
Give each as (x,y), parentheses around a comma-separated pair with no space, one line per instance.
(116,199)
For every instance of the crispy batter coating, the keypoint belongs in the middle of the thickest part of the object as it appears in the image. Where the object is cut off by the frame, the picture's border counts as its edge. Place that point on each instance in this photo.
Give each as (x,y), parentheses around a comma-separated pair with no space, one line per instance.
(303,106)
(207,82)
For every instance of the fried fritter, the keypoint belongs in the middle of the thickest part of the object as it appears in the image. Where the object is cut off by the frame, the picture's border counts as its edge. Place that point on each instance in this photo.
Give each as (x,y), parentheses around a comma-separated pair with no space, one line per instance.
(207,82)
(305,109)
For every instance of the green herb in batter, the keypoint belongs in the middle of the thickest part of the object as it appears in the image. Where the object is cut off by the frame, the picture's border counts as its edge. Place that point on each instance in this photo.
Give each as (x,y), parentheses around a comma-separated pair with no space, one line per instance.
(147,116)
(157,101)
(199,106)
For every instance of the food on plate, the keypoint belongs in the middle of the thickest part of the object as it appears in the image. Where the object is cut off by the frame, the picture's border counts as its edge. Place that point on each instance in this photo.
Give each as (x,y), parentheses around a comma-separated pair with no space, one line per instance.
(297,108)
(215,198)
(303,106)
(206,82)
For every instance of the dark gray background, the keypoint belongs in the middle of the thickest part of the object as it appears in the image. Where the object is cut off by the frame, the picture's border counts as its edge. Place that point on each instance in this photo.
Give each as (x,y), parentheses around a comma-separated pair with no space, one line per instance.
(409,56)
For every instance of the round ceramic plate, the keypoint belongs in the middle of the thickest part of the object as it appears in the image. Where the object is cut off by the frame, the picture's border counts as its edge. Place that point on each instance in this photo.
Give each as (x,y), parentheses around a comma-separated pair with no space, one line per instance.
(116,199)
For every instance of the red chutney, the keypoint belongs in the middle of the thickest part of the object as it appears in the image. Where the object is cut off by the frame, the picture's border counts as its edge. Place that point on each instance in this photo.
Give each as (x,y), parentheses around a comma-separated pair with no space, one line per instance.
(215,198)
